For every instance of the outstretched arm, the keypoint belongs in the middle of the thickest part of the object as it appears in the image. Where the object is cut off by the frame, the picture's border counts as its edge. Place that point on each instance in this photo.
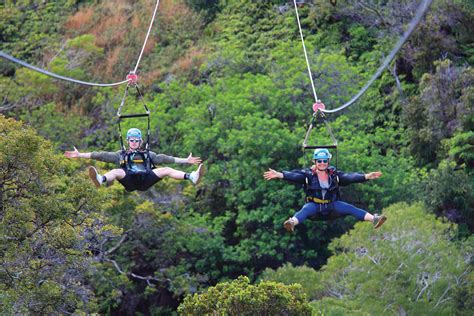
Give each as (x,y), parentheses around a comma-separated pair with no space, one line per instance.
(272,174)
(355,177)
(161,158)
(76,154)
(295,176)
(105,156)
(373,175)
(190,160)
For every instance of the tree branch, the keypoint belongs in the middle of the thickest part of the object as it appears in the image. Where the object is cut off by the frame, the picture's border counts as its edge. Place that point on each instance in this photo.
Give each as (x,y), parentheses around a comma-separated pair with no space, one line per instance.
(133,275)
(382,19)
(440,300)
(119,243)
(104,254)
(399,86)
(423,289)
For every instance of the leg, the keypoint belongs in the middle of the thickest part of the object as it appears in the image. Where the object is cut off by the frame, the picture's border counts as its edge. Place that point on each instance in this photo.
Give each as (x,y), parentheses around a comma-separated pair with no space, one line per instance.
(108,178)
(114,174)
(307,210)
(194,176)
(344,208)
(169,172)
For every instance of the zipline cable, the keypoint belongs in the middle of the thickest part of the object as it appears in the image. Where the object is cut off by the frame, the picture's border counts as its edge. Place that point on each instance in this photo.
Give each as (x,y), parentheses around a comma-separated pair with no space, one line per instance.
(413,24)
(305,53)
(51,74)
(48,73)
(416,20)
(147,35)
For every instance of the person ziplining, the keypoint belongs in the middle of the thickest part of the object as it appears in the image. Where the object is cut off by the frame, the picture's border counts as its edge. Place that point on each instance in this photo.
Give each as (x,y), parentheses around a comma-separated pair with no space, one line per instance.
(321,184)
(137,167)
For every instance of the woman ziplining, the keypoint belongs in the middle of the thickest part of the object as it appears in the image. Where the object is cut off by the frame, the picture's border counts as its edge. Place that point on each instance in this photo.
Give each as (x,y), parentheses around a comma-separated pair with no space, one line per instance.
(137,167)
(321,184)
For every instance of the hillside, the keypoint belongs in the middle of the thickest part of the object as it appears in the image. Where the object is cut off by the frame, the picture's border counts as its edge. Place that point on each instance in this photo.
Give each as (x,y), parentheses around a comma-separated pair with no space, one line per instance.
(227,81)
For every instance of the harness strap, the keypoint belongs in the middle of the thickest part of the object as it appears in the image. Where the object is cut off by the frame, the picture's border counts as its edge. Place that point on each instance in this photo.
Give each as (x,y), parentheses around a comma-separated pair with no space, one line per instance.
(316,200)
(127,159)
(121,117)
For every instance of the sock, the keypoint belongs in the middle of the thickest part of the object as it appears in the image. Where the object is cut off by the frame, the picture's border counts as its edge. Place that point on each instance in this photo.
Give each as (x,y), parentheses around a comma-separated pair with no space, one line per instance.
(295,220)
(186,176)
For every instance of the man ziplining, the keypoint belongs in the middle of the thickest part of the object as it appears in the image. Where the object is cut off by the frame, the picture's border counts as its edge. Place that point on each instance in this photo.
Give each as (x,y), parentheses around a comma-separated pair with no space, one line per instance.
(321,184)
(137,167)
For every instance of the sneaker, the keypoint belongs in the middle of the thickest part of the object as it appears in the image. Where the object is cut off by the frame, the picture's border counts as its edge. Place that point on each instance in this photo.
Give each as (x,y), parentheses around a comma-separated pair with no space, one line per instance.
(196,176)
(95,176)
(379,220)
(289,225)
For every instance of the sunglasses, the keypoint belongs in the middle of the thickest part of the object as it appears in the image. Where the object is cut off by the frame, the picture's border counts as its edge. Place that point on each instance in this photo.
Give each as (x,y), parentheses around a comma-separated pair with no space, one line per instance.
(134,140)
(322,161)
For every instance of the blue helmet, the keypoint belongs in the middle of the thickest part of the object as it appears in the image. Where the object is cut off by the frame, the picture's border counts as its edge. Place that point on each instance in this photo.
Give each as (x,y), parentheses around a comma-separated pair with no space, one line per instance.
(321,153)
(134,132)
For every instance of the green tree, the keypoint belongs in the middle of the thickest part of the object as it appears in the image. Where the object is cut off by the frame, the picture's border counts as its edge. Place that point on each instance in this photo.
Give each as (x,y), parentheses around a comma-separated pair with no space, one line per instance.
(48,219)
(308,278)
(410,266)
(209,8)
(29,27)
(448,191)
(440,110)
(239,297)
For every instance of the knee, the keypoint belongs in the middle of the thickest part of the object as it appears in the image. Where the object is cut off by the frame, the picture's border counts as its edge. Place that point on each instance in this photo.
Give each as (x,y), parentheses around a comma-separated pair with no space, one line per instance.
(162,172)
(118,172)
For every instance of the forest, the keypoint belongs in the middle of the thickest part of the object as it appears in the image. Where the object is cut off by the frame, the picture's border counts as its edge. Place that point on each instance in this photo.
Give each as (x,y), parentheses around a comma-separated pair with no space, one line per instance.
(227,81)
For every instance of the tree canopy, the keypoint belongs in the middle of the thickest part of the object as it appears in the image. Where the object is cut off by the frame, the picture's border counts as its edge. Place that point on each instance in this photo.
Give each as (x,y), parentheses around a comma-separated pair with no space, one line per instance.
(227,81)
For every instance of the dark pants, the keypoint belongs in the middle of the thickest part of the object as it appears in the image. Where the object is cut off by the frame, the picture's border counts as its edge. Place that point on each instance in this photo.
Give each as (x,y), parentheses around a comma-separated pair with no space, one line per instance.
(333,209)
(140,182)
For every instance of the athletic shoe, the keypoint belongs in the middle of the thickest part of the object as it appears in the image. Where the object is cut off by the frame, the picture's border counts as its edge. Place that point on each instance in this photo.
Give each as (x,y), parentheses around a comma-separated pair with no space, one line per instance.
(95,176)
(379,220)
(196,176)
(289,225)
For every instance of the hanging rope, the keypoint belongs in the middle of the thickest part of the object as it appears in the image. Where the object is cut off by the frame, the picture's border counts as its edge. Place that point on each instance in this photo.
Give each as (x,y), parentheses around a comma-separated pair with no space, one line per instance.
(147,35)
(305,53)
(423,7)
(48,73)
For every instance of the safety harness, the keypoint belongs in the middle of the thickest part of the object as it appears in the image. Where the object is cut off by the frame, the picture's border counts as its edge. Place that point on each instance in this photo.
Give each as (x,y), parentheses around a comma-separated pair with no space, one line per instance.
(311,178)
(323,204)
(136,162)
(316,200)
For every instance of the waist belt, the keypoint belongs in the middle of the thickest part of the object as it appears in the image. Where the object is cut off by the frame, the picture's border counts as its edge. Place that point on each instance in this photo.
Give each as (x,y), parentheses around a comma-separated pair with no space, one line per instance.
(316,200)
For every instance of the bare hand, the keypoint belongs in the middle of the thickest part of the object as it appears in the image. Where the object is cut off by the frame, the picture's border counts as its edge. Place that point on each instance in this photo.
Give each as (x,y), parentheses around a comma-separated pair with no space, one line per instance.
(193,160)
(72,154)
(272,174)
(373,175)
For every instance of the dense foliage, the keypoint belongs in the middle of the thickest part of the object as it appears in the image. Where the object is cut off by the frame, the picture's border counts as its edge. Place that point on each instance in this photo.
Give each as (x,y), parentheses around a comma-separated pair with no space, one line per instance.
(241,298)
(411,267)
(227,81)
(49,224)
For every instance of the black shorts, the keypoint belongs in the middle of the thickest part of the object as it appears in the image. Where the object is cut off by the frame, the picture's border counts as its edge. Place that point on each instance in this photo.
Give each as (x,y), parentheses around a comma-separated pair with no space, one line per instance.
(140,182)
